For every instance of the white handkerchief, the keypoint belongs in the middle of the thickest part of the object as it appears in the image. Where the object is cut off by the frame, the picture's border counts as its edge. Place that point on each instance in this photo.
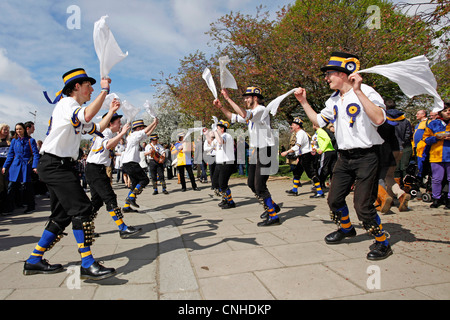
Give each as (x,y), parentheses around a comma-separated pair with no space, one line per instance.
(413,76)
(207,76)
(150,110)
(226,78)
(129,111)
(106,47)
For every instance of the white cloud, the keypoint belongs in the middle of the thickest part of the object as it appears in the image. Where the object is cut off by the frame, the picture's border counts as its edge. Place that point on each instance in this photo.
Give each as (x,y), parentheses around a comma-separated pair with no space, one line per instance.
(13,74)
(37,47)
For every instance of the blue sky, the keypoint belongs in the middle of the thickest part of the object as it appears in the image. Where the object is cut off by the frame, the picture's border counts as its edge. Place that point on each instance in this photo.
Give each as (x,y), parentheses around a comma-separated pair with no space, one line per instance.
(37,47)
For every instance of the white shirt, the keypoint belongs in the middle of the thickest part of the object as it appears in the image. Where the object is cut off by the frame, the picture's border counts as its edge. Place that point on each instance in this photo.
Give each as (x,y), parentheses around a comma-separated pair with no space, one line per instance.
(66,127)
(120,148)
(302,144)
(210,148)
(98,153)
(132,152)
(259,129)
(363,133)
(225,151)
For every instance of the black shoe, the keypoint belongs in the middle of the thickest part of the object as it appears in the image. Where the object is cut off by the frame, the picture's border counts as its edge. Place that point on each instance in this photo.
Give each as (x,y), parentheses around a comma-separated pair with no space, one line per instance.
(155,192)
(269,222)
(42,267)
(129,209)
(380,252)
(196,189)
(222,203)
(183,190)
(165,192)
(292,193)
(131,231)
(229,205)
(317,195)
(339,235)
(96,272)
(132,201)
(265,214)
(29,210)
(436,203)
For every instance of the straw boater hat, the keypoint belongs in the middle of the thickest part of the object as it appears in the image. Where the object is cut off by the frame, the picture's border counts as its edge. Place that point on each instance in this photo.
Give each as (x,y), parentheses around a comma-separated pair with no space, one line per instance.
(298,121)
(75,76)
(254,91)
(343,62)
(114,117)
(136,124)
(71,78)
(224,124)
(154,136)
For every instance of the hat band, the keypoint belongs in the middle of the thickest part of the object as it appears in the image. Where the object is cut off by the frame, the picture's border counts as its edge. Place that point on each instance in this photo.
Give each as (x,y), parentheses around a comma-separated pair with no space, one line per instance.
(74,76)
(349,64)
(337,62)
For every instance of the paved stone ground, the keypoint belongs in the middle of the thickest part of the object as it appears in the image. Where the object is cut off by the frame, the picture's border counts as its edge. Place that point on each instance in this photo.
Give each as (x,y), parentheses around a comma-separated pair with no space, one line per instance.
(192,250)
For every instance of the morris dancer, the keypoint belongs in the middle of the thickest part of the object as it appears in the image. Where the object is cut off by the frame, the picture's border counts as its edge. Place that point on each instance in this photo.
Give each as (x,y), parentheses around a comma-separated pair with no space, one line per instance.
(68,201)
(261,142)
(356,110)
(131,159)
(98,160)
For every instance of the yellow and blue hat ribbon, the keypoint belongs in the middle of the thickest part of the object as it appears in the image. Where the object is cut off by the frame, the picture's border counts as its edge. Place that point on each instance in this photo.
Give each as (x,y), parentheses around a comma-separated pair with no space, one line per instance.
(58,97)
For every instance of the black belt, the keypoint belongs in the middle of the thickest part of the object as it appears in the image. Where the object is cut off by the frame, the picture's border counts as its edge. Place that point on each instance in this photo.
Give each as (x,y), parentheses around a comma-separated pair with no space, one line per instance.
(66,160)
(358,152)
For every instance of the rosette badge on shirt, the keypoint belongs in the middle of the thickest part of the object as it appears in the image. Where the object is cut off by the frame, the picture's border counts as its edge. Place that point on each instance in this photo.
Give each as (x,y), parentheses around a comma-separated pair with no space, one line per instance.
(353,110)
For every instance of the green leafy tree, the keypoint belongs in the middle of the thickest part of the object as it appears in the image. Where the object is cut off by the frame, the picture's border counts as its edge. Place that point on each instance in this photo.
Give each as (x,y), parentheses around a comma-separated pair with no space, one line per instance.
(287,52)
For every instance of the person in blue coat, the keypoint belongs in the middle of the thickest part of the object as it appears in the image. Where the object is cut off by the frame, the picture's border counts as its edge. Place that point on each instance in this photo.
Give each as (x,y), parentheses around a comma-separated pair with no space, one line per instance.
(22,159)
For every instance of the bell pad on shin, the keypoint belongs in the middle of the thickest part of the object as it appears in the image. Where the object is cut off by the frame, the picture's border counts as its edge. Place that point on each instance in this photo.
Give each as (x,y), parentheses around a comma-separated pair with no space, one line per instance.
(88,227)
(372,227)
(336,216)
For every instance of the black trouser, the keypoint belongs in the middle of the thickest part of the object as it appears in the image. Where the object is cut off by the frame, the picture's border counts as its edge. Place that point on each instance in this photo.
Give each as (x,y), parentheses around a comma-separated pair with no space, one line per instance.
(306,163)
(257,179)
(359,167)
(188,168)
(136,174)
(100,187)
(155,170)
(222,175)
(67,197)
(327,162)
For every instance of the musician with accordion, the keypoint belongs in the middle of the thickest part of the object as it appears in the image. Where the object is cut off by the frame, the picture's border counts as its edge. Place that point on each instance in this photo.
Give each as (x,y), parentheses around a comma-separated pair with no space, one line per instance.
(156,156)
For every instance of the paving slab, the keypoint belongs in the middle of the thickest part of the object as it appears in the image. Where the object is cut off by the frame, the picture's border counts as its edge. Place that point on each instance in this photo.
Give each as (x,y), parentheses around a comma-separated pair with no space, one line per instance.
(190,249)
